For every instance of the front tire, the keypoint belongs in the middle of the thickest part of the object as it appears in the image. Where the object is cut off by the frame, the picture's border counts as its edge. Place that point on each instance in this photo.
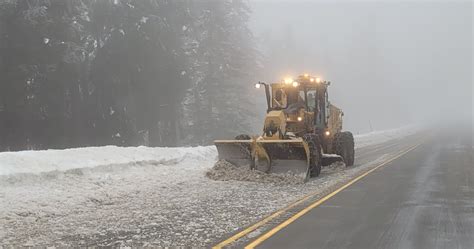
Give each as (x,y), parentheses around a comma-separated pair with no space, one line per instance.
(242,137)
(315,154)
(247,148)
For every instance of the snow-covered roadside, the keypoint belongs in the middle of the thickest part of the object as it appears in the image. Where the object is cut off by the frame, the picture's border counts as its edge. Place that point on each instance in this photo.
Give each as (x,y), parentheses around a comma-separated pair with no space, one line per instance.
(379,137)
(35,162)
(157,196)
(61,160)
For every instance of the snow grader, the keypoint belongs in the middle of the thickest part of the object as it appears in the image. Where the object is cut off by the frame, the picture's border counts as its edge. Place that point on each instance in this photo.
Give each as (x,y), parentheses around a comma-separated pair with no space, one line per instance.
(302,132)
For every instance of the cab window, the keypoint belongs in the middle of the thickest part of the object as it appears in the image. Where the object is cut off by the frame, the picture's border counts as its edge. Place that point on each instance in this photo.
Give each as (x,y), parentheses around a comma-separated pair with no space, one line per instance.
(311,98)
(280,99)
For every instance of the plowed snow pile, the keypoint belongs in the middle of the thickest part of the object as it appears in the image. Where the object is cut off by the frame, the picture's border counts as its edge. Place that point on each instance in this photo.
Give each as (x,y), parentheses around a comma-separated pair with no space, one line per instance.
(36,162)
(225,171)
(335,167)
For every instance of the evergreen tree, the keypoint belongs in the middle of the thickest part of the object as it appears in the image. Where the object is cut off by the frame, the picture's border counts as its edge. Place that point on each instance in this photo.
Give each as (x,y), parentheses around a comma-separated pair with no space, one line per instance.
(225,72)
(143,61)
(42,48)
(126,72)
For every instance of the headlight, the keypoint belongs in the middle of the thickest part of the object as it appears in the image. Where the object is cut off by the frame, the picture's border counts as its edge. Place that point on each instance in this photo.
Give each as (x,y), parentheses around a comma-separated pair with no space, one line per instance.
(257,85)
(295,84)
(311,80)
(288,80)
(327,133)
(318,80)
(300,119)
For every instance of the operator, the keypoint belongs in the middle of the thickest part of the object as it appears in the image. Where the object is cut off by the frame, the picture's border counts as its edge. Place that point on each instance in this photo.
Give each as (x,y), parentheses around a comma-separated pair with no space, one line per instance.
(280,98)
(311,102)
(295,106)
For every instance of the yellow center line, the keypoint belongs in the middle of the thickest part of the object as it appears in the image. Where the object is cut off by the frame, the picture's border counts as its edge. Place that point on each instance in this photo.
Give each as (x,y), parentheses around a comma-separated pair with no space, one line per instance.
(270,233)
(260,223)
(264,221)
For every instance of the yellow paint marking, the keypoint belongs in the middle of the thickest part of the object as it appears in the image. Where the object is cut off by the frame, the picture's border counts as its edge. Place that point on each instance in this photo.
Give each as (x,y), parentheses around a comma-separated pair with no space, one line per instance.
(250,229)
(270,233)
(260,223)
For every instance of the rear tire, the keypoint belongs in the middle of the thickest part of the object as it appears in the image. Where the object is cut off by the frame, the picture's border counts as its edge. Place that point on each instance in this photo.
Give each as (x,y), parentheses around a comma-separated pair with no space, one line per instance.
(344,146)
(244,137)
(315,162)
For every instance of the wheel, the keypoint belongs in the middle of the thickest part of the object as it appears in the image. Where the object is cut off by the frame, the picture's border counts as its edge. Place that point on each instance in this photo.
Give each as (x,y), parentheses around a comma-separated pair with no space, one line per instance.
(350,149)
(344,146)
(246,148)
(262,164)
(315,154)
(242,137)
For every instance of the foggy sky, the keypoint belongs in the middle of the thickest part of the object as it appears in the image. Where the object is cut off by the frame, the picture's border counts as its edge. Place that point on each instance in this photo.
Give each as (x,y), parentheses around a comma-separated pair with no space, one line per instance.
(390,63)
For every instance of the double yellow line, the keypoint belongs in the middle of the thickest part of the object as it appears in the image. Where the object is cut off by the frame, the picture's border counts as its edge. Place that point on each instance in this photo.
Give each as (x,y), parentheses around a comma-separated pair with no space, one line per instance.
(270,233)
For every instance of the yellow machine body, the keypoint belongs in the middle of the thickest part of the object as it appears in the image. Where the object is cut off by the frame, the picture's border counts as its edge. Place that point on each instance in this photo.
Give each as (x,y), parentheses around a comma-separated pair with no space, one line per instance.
(282,148)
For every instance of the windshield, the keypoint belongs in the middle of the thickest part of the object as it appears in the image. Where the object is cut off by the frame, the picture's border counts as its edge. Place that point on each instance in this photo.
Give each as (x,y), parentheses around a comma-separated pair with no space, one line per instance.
(280,100)
(290,99)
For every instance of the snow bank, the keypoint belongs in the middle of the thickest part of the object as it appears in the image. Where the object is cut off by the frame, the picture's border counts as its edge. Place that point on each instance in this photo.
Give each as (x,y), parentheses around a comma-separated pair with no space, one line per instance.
(36,162)
(379,137)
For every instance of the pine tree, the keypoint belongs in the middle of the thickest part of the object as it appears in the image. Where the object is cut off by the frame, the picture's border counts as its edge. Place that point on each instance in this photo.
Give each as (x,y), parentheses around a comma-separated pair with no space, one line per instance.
(125,72)
(143,86)
(44,46)
(224,71)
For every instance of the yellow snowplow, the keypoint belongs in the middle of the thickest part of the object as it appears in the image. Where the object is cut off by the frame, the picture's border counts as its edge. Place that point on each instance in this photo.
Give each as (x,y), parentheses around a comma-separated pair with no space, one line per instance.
(300,126)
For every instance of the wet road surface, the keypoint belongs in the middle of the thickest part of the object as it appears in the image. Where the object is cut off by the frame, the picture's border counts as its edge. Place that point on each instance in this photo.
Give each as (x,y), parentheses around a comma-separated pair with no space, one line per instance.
(424,199)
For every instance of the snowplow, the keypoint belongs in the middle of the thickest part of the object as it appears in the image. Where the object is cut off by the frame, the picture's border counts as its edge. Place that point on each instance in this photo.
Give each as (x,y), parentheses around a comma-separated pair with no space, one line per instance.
(302,132)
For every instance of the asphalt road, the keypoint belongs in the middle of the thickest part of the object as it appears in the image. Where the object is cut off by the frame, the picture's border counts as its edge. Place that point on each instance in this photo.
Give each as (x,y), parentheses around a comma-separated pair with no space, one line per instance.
(424,199)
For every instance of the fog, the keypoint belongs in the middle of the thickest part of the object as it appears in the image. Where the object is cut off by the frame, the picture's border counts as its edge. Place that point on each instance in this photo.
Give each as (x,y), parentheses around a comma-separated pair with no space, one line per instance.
(181,73)
(391,63)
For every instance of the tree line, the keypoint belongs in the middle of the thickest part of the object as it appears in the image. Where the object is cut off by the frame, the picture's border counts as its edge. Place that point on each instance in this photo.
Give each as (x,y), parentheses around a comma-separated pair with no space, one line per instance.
(124,72)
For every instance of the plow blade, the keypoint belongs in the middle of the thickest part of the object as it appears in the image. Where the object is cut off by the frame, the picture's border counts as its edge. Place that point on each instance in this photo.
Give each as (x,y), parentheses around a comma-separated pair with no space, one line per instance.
(237,152)
(283,157)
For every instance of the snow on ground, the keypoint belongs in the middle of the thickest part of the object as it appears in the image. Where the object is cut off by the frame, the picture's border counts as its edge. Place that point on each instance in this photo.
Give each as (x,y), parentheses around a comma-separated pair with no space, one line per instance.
(62,160)
(379,137)
(36,162)
(138,196)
